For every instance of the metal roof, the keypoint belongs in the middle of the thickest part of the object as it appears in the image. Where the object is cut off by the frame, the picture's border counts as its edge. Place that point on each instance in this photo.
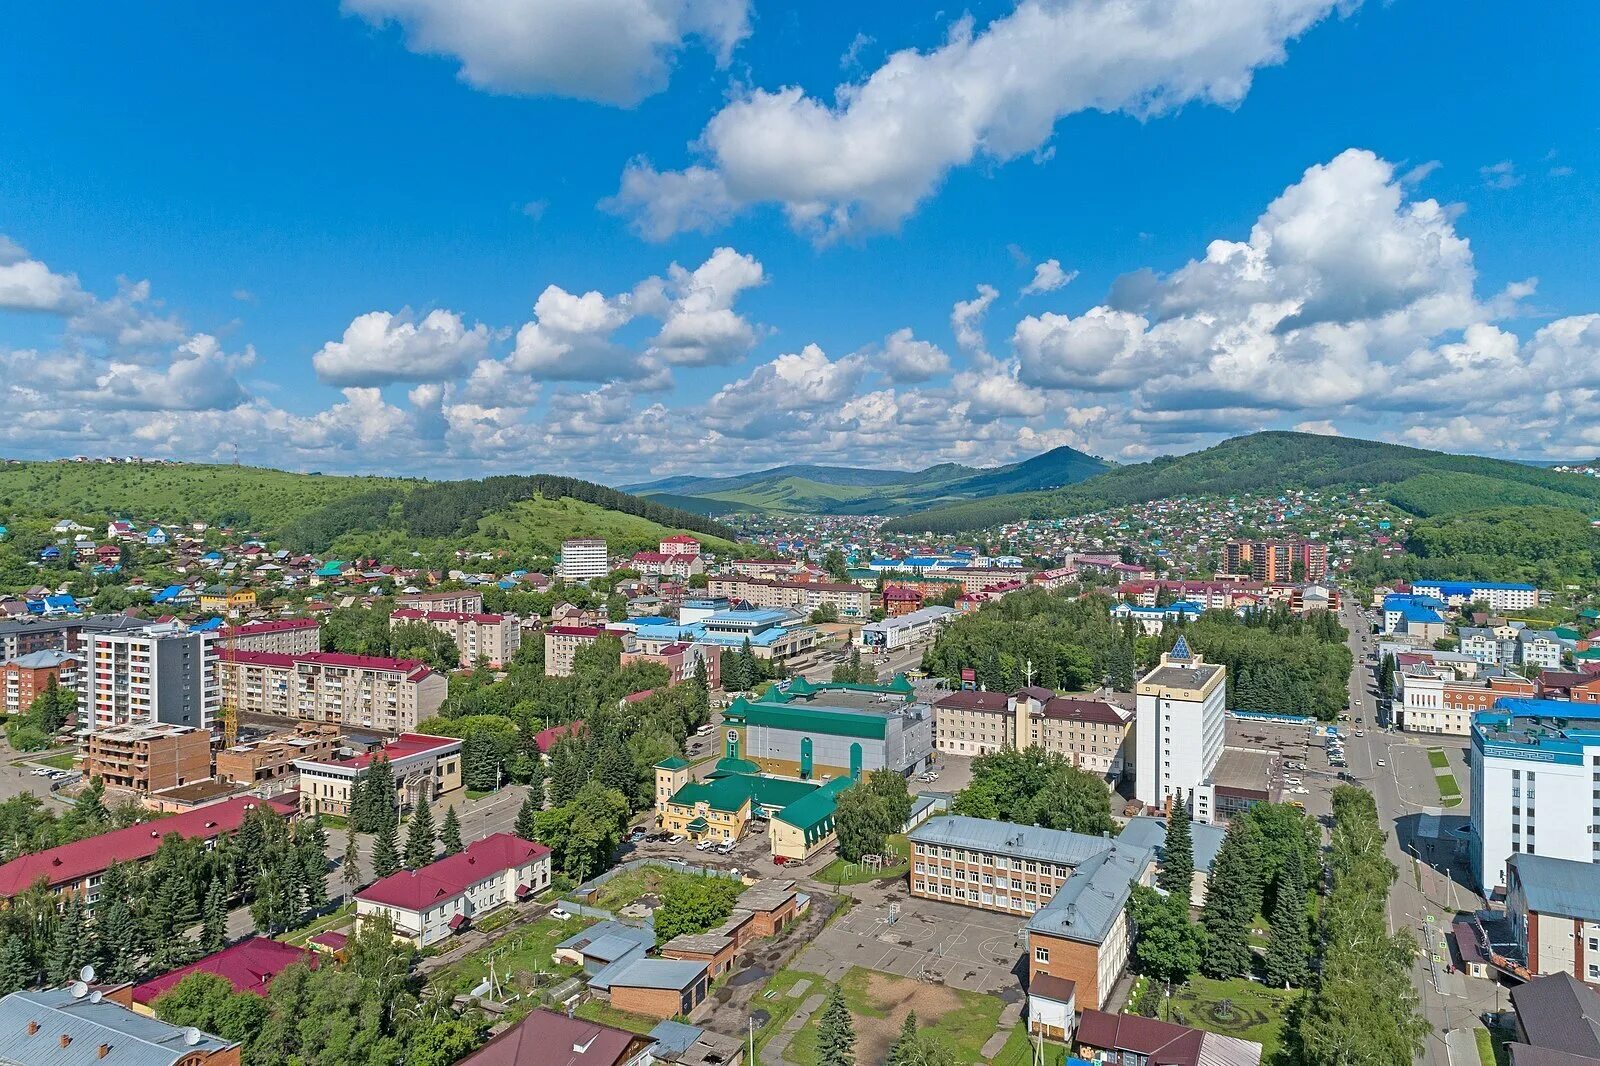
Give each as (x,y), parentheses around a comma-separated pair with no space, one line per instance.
(1563,887)
(132,1039)
(1087,906)
(1008,838)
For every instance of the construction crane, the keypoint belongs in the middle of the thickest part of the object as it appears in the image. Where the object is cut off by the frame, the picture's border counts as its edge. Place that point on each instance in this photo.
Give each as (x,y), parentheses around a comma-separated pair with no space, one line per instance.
(230,696)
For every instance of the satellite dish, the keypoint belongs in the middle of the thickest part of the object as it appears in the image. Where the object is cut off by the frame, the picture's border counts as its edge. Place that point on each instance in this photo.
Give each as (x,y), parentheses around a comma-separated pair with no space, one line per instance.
(79,990)
(191,1036)
(96,996)
(86,974)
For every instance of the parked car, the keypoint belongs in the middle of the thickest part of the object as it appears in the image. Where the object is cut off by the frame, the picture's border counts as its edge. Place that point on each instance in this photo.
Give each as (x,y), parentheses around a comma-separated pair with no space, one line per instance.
(1382,763)
(675,838)
(705,845)
(725,848)
(560,914)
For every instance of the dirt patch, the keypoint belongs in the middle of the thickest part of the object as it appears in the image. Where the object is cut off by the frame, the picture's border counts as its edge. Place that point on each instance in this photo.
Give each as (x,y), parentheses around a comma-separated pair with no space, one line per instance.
(896,997)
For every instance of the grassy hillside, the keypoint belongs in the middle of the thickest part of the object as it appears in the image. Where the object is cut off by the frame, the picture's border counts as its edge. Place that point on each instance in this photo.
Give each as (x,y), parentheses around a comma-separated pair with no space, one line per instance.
(1548,546)
(1416,480)
(840,490)
(350,515)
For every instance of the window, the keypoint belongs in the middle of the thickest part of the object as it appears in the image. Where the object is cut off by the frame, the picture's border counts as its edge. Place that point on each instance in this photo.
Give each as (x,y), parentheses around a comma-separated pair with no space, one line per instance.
(1041,954)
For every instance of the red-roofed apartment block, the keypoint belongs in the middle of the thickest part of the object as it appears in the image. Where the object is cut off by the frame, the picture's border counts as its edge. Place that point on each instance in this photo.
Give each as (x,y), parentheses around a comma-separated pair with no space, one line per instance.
(494,638)
(561,643)
(424,767)
(249,966)
(365,691)
(78,867)
(428,904)
(681,660)
(286,636)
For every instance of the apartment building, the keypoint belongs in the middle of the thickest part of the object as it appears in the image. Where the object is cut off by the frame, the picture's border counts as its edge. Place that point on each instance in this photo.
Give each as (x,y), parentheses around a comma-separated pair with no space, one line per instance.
(458,601)
(561,644)
(1500,596)
(273,758)
(161,673)
(679,544)
(1277,561)
(583,558)
(286,636)
(23,678)
(1438,699)
(389,695)
(424,767)
(850,600)
(682,660)
(1554,908)
(1535,771)
(676,566)
(1180,719)
(430,903)
(1094,735)
(147,758)
(493,638)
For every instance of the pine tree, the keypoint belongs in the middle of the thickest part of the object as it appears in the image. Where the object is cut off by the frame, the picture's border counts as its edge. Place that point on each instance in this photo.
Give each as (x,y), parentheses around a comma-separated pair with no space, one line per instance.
(17,970)
(900,1050)
(419,836)
(527,818)
(119,934)
(385,852)
(1177,861)
(1289,945)
(351,868)
(1233,898)
(214,928)
(68,948)
(450,833)
(836,1037)
(313,872)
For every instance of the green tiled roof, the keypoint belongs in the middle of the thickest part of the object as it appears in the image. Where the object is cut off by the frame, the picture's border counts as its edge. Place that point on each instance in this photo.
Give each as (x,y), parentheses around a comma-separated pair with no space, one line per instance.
(698,825)
(802,719)
(897,686)
(736,766)
(673,763)
(812,810)
(731,792)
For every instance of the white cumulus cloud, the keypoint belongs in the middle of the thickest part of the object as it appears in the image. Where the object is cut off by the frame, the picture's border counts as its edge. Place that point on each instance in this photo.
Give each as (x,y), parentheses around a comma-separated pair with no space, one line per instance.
(379,348)
(1048,277)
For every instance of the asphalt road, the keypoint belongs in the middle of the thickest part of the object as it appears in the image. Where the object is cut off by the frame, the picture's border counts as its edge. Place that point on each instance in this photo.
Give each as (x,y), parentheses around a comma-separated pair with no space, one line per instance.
(1434,883)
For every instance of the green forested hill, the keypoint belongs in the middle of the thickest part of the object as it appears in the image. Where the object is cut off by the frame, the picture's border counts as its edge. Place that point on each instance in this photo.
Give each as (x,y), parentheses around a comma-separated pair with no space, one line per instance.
(316,512)
(1548,546)
(1414,479)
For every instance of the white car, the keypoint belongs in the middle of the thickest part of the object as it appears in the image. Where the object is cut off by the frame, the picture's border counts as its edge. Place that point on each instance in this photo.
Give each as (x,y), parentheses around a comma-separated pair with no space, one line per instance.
(1382,763)
(1293,781)
(1361,732)
(561,914)
(1302,791)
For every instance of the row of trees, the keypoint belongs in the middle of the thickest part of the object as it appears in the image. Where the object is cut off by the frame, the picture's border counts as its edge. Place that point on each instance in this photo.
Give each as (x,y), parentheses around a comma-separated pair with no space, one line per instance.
(1363,1007)
(366,631)
(1035,787)
(27,825)
(49,711)
(1278,662)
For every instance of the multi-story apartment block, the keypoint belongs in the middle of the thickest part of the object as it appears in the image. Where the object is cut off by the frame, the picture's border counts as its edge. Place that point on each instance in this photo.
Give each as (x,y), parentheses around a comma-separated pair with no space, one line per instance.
(583,558)
(1438,699)
(768,568)
(679,566)
(1181,712)
(1499,596)
(680,544)
(459,601)
(1277,561)
(161,673)
(1090,733)
(23,636)
(22,679)
(147,758)
(1535,773)
(286,636)
(390,695)
(1491,645)
(1539,647)
(494,638)
(682,660)
(850,600)
(424,767)
(561,644)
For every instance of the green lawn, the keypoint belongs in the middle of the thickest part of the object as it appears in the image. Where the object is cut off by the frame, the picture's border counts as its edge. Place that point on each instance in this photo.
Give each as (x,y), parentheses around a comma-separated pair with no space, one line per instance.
(1020,1049)
(335,821)
(775,1000)
(343,916)
(878,1002)
(1437,757)
(840,872)
(606,1014)
(1258,1012)
(61,761)
(527,950)
(630,885)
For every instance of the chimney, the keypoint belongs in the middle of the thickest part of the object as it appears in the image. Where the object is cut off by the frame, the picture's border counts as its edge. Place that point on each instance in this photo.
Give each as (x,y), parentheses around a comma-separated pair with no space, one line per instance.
(33,1027)
(105,1049)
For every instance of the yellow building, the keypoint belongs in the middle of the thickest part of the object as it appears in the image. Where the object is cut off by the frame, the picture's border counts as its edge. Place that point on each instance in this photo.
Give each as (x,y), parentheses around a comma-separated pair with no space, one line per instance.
(227,600)
(799,814)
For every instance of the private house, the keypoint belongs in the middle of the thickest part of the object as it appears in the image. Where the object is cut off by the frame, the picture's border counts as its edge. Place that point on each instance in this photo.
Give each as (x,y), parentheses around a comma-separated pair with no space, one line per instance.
(429,904)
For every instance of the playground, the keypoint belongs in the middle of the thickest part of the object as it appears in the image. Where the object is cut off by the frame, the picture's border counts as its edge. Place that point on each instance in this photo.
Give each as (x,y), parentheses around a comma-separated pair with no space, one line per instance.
(934,943)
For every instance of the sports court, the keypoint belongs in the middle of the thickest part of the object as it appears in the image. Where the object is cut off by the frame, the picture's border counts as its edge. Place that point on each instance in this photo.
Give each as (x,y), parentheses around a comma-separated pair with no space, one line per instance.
(938,942)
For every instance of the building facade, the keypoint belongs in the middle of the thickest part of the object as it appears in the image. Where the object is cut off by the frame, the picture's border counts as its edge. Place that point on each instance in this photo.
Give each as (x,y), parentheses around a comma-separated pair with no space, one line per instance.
(430,903)
(1180,725)
(273,759)
(147,758)
(850,600)
(1500,596)
(424,767)
(493,638)
(161,673)
(1554,908)
(451,601)
(1435,699)
(810,731)
(389,695)
(1090,733)
(285,636)
(22,679)
(561,644)
(583,558)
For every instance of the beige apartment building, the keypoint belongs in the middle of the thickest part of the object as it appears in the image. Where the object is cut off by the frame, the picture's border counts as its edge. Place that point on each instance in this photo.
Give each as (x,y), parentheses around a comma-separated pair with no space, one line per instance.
(286,636)
(1090,733)
(388,695)
(424,767)
(456,601)
(850,600)
(147,758)
(561,643)
(494,638)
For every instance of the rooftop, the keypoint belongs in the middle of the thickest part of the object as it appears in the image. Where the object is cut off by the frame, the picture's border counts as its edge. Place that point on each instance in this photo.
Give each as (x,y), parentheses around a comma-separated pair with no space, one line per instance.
(552,1039)
(1561,887)
(1007,838)
(449,877)
(1559,1012)
(249,966)
(87,1026)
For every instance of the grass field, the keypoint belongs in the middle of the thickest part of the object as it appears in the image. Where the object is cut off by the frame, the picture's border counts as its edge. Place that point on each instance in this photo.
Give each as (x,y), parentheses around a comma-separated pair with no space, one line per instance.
(879,1002)
(1020,1048)
(549,522)
(606,1014)
(527,950)
(1258,1012)
(839,872)
(630,885)
(1438,759)
(59,761)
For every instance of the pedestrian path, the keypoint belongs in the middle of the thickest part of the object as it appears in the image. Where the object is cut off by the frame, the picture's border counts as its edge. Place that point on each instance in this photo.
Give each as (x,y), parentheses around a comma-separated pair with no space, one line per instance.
(775,1048)
(1008,1021)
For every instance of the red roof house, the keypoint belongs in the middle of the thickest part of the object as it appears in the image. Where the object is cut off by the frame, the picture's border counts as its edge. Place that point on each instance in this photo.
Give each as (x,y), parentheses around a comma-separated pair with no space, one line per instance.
(249,966)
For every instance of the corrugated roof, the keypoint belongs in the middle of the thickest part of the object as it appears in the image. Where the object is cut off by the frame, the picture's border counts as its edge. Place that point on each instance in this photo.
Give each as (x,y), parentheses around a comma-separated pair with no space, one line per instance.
(802,719)
(1561,887)
(249,966)
(1008,838)
(134,1039)
(671,974)
(449,877)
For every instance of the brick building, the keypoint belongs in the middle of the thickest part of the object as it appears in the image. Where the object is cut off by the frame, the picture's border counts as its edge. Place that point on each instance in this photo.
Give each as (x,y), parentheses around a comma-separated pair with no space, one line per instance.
(561,643)
(459,601)
(147,758)
(1091,733)
(273,758)
(390,695)
(491,637)
(24,678)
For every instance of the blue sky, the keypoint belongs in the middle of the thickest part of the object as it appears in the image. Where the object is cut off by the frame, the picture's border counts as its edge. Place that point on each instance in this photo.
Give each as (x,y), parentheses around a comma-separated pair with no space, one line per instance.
(360,238)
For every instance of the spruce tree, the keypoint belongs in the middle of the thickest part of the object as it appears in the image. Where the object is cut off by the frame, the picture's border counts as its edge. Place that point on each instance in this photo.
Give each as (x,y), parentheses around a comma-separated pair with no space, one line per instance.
(1233,898)
(17,970)
(419,836)
(119,936)
(214,919)
(527,818)
(836,1037)
(1289,944)
(68,948)
(313,872)
(350,870)
(385,852)
(900,1050)
(1177,862)
(450,833)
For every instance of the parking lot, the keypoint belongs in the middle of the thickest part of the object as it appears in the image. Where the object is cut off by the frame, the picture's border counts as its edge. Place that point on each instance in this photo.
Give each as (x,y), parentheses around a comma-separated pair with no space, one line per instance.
(890,931)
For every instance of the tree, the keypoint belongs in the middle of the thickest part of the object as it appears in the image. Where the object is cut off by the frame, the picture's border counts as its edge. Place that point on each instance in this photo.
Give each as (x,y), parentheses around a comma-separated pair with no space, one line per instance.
(901,1048)
(1167,946)
(90,806)
(446,1041)
(419,836)
(385,852)
(119,935)
(527,818)
(836,1036)
(859,820)
(214,918)
(209,1003)
(450,833)
(69,947)
(1233,899)
(1287,950)
(1177,858)
(350,868)
(17,970)
(694,905)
